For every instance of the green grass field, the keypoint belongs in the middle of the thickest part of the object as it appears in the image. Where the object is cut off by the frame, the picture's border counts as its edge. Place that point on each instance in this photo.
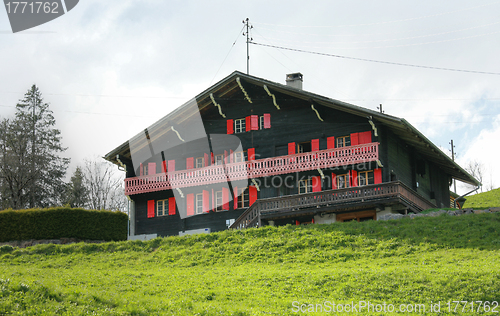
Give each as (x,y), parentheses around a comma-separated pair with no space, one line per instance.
(483,200)
(266,271)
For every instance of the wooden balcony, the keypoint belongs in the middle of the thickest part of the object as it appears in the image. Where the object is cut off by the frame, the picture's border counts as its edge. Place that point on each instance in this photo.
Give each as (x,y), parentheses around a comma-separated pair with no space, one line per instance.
(341,199)
(328,158)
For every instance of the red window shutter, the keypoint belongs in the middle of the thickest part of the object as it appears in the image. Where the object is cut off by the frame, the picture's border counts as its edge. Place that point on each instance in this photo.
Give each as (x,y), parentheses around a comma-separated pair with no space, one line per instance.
(248,123)
(334,181)
(151,208)
(315,145)
(163,166)
(231,156)
(225,157)
(267,120)
(291,148)
(141,170)
(171,206)
(354,139)
(171,166)
(316,184)
(377,174)
(190,204)
(297,223)
(152,168)
(206,160)
(353,175)
(225,199)
(252,192)
(206,201)
(255,122)
(251,154)
(365,137)
(330,142)
(213,200)
(213,158)
(230,126)
(190,163)
(235,191)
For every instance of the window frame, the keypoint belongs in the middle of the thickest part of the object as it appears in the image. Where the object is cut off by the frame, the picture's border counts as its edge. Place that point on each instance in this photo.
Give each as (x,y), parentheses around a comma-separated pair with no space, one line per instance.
(219,162)
(240,125)
(369,174)
(345,177)
(237,154)
(201,161)
(300,147)
(261,122)
(198,203)
(305,184)
(164,204)
(344,139)
(218,207)
(243,198)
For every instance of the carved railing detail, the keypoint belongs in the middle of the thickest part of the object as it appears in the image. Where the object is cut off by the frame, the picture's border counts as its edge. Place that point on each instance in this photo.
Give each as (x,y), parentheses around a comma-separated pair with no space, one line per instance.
(328,158)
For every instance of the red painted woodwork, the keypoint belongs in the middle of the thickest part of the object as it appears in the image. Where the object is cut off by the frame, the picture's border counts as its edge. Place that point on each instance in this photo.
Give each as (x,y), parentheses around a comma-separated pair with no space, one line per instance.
(163,166)
(267,120)
(171,166)
(205,157)
(190,204)
(171,206)
(334,181)
(316,184)
(252,192)
(254,119)
(330,142)
(365,137)
(225,157)
(248,123)
(151,208)
(315,145)
(251,153)
(212,158)
(231,156)
(354,139)
(297,223)
(291,148)
(190,163)
(327,158)
(213,200)
(206,202)
(353,175)
(235,194)
(377,175)
(151,168)
(225,198)
(230,126)
(141,170)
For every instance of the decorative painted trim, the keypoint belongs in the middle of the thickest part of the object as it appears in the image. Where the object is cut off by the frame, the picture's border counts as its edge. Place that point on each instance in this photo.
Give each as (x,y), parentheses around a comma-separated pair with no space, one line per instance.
(373,127)
(178,135)
(312,107)
(180,192)
(217,105)
(272,96)
(243,89)
(321,173)
(255,184)
(379,163)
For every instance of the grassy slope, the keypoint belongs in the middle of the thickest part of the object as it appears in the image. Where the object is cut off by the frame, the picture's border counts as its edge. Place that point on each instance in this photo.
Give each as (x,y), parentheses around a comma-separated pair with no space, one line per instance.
(260,271)
(484,200)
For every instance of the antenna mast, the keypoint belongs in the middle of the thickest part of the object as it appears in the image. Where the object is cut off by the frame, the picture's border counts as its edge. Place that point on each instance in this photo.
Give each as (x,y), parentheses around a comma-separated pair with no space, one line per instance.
(249,27)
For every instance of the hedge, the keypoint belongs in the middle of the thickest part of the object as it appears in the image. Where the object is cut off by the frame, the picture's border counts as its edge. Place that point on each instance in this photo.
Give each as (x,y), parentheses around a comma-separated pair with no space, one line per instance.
(62,222)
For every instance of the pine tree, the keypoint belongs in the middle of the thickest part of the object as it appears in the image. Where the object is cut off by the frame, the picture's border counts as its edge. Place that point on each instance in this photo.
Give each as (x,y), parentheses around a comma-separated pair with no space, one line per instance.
(76,191)
(32,170)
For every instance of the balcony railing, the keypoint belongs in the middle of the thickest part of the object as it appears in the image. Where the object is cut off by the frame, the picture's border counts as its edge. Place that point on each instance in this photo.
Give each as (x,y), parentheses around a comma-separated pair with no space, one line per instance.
(378,193)
(321,159)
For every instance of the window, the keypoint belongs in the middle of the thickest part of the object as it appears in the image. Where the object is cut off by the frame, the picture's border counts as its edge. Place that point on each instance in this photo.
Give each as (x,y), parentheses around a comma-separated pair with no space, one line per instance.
(242,197)
(261,122)
(365,178)
(218,201)
(200,162)
(239,156)
(144,170)
(304,147)
(219,159)
(343,141)
(239,125)
(199,203)
(162,207)
(305,186)
(342,181)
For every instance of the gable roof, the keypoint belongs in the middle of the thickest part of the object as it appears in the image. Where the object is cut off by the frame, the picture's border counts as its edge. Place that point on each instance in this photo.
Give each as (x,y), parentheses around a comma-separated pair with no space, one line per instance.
(398,126)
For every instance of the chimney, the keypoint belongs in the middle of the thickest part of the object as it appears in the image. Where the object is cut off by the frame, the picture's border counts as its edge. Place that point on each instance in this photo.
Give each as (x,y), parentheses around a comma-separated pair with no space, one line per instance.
(294,80)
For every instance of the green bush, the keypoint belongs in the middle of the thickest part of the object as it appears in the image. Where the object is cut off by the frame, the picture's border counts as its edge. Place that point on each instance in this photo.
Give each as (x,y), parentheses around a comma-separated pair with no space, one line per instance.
(62,222)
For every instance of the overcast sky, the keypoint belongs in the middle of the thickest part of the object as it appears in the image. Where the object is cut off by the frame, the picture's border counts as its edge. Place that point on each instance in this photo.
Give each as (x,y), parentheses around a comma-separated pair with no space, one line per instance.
(111,68)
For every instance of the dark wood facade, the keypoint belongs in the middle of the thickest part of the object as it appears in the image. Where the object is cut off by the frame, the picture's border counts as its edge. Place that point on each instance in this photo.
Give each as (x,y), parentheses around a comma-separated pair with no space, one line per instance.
(294,144)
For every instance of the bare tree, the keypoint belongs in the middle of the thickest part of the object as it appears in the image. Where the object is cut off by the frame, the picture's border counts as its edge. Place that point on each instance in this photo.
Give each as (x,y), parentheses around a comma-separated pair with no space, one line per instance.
(105,188)
(476,169)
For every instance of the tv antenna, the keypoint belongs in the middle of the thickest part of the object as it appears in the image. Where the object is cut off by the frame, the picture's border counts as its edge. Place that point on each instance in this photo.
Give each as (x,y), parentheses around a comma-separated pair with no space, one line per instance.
(247,34)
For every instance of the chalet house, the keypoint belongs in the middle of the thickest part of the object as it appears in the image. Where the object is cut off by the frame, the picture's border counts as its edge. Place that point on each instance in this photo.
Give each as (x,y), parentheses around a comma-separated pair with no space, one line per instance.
(248,152)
